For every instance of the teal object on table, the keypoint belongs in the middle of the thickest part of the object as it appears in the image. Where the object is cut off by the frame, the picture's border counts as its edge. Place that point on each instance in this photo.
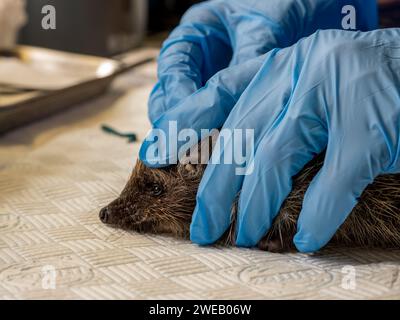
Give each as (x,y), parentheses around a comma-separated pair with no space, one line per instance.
(129,135)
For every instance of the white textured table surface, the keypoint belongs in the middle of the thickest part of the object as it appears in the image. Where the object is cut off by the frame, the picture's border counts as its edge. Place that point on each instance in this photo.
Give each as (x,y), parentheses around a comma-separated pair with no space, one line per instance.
(56,174)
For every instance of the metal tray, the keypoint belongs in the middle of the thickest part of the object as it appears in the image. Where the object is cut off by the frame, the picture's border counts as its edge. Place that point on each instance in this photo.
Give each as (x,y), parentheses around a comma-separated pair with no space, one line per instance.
(92,76)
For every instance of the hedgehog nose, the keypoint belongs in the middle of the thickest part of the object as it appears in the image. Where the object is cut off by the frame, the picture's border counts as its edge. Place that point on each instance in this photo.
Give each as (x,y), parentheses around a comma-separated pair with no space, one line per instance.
(104,215)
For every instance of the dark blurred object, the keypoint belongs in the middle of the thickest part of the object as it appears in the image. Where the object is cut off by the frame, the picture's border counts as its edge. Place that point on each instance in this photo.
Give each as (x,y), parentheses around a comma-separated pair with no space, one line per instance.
(389,13)
(98,27)
(165,14)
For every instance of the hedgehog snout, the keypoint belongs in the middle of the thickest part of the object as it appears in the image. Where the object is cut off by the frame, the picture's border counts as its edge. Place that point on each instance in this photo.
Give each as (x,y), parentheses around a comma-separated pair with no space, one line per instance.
(118,210)
(104,214)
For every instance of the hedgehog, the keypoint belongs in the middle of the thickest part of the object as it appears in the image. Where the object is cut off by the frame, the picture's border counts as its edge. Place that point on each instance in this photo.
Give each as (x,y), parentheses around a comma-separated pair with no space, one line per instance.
(162,201)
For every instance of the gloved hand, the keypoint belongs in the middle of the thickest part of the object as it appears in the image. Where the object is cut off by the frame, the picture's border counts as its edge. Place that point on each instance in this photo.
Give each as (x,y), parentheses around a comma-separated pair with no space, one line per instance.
(209,107)
(334,90)
(216,34)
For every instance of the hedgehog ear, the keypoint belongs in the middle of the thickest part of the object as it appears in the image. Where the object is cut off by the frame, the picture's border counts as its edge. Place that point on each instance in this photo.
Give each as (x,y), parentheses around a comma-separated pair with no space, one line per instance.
(200,153)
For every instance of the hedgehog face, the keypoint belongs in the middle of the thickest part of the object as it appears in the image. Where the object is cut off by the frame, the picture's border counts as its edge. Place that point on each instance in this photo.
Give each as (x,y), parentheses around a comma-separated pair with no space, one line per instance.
(156,200)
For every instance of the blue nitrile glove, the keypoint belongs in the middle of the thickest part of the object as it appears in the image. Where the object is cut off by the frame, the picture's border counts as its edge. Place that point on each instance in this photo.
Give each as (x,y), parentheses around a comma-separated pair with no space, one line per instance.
(216,34)
(336,90)
(203,43)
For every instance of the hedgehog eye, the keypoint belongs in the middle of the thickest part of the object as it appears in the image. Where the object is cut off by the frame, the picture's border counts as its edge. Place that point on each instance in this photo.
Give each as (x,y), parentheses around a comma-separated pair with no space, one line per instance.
(156,190)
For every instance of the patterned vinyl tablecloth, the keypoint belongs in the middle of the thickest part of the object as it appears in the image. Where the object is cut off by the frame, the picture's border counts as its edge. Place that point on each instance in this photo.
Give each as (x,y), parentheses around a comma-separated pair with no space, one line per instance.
(56,174)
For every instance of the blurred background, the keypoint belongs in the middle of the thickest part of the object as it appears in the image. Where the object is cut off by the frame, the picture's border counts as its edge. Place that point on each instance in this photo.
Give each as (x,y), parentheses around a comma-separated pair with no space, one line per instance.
(105,28)
(102,27)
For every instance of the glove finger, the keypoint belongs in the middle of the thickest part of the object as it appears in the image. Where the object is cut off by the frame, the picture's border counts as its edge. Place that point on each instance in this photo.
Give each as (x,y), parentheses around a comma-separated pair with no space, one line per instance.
(335,190)
(256,111)
(298,137)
